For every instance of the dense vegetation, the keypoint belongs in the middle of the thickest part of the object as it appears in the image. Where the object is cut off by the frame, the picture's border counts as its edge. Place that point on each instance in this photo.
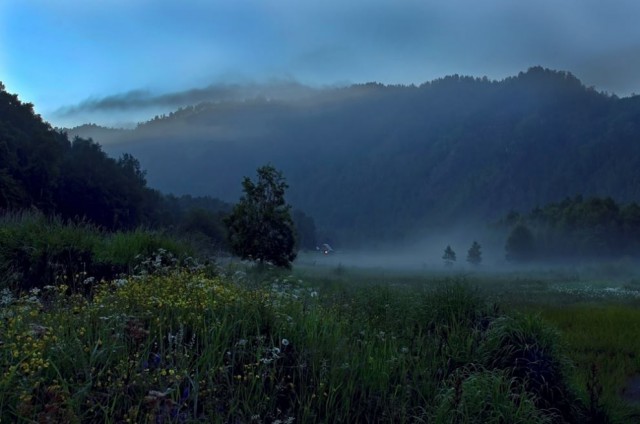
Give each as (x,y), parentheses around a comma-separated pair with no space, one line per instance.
(373,162)
(36,251)
(185,346)
(575,228)
(41,169)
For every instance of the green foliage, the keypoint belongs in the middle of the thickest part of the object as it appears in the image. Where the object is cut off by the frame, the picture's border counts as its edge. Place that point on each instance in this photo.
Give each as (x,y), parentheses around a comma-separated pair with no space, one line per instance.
(529,350)
(260,227)
(474,255)
(578,228)
(107,192)
(41,169)
(520,245)
(182,346)
(287,353)
(483,396)
(205,224)
(602,342)
(123,249)
(36,251)
(449,256)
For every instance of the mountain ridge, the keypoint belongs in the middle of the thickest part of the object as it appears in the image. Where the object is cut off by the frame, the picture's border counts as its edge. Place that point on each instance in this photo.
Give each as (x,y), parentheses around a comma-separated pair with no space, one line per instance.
(383,162)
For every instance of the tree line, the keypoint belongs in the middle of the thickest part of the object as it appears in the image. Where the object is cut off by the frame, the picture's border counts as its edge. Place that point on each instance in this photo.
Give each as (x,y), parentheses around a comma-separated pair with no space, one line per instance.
(575,228)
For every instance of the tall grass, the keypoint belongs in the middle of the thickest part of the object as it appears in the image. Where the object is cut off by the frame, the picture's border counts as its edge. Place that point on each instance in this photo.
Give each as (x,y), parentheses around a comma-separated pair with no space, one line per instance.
(36,251)
(603,341)
(185,347)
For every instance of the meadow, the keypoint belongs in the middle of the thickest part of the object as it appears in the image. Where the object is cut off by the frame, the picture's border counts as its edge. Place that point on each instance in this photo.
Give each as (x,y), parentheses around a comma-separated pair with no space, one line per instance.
(184,343)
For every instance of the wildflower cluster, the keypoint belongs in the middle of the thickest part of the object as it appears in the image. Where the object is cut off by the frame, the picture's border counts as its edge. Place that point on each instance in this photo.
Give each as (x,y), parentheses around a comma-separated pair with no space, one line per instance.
(24,343)
(594,292)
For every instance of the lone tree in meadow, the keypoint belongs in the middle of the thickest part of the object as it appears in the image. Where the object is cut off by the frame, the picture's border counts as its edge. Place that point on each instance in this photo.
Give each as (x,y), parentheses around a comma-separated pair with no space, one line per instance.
(474,255)
(260,227)
(449,256)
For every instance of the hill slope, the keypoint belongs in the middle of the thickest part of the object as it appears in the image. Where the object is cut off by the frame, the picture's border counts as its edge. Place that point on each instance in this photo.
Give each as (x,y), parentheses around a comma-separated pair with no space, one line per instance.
(374,162)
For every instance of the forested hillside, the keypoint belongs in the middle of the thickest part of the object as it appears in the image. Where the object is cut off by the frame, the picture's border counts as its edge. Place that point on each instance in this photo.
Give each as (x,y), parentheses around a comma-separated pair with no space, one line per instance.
(374,162)
(42,170)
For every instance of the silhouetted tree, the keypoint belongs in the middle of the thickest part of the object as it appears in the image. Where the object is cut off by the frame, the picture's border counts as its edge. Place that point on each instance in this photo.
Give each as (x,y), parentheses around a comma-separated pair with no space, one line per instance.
(260,227)
(474,255)
(449,256)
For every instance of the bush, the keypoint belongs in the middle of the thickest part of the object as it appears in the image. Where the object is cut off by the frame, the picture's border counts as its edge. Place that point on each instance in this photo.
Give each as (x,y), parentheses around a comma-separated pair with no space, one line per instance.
(485,396)
(528,350)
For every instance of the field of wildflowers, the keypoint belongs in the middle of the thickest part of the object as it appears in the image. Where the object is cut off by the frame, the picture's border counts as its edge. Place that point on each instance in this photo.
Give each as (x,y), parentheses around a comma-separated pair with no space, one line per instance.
(179,344)
(183,345)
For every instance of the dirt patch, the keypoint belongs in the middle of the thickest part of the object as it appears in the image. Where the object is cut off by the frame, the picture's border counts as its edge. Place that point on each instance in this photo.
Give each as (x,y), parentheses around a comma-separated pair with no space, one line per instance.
(631,391)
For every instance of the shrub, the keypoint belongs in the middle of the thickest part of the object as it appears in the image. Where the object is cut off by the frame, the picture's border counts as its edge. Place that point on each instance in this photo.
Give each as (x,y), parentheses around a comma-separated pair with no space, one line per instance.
(528,350)
(483,396)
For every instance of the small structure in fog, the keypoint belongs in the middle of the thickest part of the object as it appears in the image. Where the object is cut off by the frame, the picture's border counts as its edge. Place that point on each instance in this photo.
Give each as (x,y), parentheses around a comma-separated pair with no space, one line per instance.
(324,248)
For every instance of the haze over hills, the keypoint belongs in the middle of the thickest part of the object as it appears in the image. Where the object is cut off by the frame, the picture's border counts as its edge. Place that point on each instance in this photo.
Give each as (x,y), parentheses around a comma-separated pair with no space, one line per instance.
(375,162)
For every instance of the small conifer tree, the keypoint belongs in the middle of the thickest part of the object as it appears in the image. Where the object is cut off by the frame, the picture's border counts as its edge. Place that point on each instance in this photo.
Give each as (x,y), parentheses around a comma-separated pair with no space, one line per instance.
(449,256)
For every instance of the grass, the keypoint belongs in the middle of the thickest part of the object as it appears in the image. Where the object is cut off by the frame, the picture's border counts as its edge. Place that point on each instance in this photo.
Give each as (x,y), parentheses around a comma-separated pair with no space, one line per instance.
(35,251)
(172,344)
(186,347)
(597,318)
(603,343)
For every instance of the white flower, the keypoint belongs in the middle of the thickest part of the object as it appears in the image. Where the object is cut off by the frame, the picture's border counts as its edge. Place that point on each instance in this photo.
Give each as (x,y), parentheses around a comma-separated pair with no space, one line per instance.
(6,297)
(285,342)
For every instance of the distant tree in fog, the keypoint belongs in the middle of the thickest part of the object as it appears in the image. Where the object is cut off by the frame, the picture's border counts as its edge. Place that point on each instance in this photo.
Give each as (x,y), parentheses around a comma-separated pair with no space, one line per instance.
(520,244)
(474,255)
(449,256)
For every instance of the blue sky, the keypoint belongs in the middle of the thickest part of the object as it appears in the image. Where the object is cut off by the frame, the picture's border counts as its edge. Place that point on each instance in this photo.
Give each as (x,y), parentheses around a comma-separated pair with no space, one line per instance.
(63,54)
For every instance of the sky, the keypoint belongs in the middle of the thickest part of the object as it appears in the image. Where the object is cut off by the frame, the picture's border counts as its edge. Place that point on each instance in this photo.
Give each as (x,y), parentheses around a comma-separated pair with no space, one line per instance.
(80,61)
